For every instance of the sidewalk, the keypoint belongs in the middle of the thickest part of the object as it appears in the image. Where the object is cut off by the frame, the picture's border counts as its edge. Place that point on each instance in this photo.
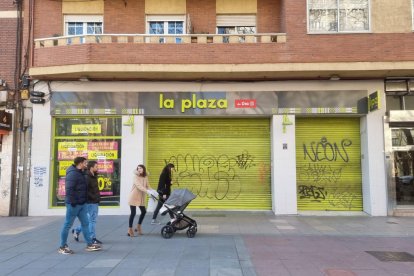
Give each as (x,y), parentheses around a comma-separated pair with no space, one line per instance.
(227,243)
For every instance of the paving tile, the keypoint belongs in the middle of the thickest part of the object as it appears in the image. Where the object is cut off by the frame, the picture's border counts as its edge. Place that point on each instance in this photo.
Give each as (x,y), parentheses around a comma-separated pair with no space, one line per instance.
(269,271)
(60,272)
(93,271)
(315,245)
(224,263)
(194,264)
(226,272)
(340,272)
(180,271)
(158,272)
(106,263)
(125,272)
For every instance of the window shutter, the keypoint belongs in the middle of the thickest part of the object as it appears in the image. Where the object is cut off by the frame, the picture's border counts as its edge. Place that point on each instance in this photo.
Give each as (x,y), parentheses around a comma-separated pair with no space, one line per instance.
(83,18)
(235,20)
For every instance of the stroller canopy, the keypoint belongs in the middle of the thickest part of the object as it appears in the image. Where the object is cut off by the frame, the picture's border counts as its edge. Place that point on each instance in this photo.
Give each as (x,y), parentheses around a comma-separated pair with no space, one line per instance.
(179,197)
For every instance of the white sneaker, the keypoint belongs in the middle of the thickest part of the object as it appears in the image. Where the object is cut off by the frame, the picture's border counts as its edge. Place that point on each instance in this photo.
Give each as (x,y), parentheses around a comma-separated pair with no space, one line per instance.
(154,221)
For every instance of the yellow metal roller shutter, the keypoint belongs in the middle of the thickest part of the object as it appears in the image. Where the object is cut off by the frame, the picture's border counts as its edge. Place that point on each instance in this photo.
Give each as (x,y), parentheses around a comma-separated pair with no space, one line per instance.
(328,164)
(225,162)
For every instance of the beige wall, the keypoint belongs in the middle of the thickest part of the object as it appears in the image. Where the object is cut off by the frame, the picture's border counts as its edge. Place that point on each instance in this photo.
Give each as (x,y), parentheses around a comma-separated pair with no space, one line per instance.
(165,6)
(391,16)
(82,7)
(236,6)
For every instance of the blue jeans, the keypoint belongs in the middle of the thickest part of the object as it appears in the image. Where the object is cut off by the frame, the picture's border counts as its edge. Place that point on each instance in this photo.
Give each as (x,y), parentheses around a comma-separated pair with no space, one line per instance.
(93,209)
(81,212)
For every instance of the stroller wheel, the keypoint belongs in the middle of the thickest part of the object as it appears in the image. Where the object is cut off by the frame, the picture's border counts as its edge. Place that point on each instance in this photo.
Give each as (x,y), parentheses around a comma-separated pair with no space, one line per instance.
(191,232)
(167,232)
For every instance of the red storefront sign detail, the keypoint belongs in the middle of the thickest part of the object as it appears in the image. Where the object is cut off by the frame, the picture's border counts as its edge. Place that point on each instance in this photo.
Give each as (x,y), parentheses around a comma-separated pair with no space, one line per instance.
(245,103)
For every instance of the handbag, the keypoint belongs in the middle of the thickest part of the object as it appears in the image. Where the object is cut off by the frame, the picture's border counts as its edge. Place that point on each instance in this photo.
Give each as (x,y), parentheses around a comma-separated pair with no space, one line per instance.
(152,204)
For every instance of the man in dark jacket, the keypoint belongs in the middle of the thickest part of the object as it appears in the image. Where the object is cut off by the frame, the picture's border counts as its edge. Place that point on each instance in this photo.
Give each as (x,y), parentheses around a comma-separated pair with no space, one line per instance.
(92,201)
(76,195)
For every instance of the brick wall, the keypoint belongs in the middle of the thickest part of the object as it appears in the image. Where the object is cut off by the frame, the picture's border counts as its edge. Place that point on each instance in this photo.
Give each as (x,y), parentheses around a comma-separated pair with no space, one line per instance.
(7,5)
(299,48)
(7,43)
(269,16)
(124,19)
(345,48)
(203,15)
(48,18)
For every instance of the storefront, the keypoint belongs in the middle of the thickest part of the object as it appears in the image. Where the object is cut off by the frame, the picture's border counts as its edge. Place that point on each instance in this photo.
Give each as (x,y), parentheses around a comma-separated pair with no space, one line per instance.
(399,146)
(225,162)
(281,146)
(328,164)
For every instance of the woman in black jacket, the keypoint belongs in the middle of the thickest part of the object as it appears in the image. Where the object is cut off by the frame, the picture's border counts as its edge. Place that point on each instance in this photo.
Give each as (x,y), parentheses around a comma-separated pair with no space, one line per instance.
(164,189)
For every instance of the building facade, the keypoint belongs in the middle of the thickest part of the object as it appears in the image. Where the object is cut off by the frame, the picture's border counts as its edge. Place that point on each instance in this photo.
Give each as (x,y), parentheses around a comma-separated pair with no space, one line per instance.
(13,191)
(260,104)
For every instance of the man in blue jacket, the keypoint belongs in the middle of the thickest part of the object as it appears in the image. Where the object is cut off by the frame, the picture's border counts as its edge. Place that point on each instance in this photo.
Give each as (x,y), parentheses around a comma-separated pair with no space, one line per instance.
(76,196)
(92,202)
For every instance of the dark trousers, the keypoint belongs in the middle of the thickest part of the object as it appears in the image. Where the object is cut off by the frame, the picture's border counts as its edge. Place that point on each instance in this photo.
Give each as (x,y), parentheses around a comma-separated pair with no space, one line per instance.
(134,212)
(159,205)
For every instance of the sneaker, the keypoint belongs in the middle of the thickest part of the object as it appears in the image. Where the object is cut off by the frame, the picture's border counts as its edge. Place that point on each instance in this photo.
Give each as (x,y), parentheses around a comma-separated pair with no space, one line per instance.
(75,235)
(96,241)
(65,250)
(154,221)
(93,247)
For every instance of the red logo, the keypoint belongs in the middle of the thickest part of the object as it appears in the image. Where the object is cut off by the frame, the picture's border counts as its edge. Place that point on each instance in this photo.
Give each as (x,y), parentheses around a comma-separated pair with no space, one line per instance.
(245,103)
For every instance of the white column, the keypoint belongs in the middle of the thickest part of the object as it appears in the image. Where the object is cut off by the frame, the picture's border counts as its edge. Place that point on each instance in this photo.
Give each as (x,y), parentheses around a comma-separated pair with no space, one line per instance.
(40,182)
(374,173)
(133,133)
(6,172)
(284,165)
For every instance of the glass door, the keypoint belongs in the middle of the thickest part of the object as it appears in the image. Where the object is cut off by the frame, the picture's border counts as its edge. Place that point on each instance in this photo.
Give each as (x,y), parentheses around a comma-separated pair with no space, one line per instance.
(403,165)
(404,180)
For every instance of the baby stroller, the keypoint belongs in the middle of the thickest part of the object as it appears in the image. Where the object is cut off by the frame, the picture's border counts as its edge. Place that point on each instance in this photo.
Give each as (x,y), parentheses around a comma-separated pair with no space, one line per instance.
(175,205)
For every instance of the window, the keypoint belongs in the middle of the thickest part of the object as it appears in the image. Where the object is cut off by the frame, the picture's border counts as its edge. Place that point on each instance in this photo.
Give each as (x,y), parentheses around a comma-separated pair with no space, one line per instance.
(235,30)
(236,24)
(95,138)
(333,16)
(82,25)
(166,25)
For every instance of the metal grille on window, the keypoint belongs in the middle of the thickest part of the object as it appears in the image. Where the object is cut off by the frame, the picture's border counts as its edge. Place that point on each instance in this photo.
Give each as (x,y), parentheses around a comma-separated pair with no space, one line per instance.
(338,15)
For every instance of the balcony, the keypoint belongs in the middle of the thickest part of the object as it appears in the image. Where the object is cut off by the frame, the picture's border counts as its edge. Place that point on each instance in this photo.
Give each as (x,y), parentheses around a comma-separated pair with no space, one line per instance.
(262,56)
(143,56)
(164,39)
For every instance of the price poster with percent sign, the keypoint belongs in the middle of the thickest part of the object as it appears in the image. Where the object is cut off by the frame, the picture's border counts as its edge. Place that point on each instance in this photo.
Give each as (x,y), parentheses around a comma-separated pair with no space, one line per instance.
(96,139)
(105,153)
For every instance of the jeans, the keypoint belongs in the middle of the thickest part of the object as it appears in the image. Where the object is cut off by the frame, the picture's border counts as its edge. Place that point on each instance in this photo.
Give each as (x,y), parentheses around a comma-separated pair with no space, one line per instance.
(93,209)
(80,212)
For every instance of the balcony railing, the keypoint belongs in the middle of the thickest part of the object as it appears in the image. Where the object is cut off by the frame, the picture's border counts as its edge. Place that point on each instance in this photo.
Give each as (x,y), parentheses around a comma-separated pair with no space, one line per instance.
(161,39)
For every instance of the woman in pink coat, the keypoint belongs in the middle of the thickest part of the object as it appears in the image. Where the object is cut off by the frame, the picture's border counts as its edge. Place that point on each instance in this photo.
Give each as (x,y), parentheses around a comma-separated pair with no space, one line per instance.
(137,197)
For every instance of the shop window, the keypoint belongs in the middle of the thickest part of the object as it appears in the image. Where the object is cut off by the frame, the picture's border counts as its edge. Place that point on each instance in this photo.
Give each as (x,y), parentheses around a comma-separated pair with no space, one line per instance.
(334,16)
(166,25)
(402,137)
(83,25)
(97,139)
